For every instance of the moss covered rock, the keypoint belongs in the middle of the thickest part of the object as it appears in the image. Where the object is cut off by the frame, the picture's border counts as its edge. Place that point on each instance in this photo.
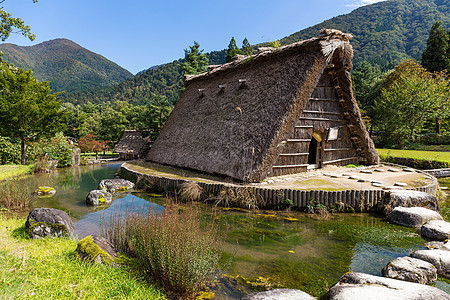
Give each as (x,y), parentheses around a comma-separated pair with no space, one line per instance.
(42,222)
(96,249)
(98,197)
(45,191)
(116,185)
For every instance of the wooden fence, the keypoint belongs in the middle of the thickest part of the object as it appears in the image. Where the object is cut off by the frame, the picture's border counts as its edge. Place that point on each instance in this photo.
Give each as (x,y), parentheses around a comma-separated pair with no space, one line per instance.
(359,200)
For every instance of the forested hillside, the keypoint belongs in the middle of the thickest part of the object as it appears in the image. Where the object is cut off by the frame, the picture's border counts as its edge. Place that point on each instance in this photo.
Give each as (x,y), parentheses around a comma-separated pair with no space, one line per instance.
(68,66)
(385,34)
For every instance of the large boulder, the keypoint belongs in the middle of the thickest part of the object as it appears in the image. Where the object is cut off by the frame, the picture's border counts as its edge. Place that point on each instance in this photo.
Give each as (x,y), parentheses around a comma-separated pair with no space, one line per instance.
(439,258)
(98,197)
(413,216)
(436,230)
(279,294)
(409,198)
(115,185)
(96,249)
(42,222)
(357,286)
(410,269)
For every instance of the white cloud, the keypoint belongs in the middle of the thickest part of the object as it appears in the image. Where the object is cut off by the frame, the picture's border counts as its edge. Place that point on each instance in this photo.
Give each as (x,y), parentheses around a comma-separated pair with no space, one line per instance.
(358,3)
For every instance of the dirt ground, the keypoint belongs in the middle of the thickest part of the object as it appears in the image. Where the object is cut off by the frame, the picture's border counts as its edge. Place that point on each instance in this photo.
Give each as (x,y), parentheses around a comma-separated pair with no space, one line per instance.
(331,178)
(335,178)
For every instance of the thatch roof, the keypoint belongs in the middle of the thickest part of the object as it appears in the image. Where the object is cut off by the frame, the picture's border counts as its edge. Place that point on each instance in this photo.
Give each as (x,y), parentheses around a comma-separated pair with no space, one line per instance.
(131,142)
(232,119)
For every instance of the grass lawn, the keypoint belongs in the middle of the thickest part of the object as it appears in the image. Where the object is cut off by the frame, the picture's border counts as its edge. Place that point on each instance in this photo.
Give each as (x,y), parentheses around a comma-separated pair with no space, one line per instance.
(7,171)
(100,154)
(428,155)
(48,269)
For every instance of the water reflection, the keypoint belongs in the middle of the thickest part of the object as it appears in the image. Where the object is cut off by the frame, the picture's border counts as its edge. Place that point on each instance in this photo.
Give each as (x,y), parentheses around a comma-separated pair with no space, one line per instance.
(90,224)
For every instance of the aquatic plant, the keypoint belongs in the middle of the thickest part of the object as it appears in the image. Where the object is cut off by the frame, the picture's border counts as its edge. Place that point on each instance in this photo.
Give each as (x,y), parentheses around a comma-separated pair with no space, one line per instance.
(240,197)
(177,248)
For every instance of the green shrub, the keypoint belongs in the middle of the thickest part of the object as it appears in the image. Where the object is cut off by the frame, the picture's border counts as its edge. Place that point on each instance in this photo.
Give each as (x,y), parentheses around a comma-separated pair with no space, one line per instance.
(171,247)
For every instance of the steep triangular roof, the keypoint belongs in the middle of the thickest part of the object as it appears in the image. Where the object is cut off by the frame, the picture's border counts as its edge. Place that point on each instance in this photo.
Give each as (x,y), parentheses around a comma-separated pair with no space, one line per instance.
(131,142)
(233,119)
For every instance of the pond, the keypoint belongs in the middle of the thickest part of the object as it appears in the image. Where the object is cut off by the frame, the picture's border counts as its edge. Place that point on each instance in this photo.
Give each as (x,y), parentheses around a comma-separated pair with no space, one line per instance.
(264,249)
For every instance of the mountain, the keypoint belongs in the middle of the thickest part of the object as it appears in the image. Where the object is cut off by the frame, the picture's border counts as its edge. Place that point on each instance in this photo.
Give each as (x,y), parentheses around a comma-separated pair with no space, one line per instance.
(386,33)
(68,66)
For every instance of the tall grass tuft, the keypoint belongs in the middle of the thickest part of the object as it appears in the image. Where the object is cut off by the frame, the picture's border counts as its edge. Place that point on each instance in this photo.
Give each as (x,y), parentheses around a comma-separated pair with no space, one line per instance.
(176,248)
(14,195)
(191,191)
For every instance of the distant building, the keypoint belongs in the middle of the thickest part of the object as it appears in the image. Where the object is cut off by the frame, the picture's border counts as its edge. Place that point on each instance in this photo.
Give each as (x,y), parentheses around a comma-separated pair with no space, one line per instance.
(278,112)
(132,145)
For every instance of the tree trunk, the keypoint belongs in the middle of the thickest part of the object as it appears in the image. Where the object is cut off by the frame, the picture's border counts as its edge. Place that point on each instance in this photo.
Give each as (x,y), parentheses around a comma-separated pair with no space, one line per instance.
(23,158)
(438,126)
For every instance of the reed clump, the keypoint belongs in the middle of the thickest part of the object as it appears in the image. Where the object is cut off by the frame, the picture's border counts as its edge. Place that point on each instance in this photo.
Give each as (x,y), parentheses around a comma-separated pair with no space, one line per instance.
(191,191)
(177,247)
(14,195)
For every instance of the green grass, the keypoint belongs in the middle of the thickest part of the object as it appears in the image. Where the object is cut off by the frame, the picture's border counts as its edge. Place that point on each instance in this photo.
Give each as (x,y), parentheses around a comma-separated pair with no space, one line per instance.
(427,155)
(100,154)
(434,148)
(8,171)
(48,269)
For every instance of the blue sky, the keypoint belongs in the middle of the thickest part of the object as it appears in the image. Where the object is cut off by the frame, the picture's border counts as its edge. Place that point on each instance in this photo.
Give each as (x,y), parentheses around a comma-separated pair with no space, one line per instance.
(138,34)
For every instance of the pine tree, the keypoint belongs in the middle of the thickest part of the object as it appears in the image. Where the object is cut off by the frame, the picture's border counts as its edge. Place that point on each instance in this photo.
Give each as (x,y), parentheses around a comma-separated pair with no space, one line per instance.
(436,56)
(246,47)
(195,61)
(233,50)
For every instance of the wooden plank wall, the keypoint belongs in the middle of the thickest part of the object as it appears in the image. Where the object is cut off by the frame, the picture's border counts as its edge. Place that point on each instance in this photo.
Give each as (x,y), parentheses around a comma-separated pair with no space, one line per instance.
(322,111)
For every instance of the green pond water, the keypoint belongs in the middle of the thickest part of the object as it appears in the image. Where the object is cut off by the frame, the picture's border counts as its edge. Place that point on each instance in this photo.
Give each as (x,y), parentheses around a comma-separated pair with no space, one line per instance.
(264,249)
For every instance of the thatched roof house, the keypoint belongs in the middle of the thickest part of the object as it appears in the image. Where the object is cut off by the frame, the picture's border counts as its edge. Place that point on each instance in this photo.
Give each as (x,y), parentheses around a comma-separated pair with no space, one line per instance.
(278,112)
(131,145)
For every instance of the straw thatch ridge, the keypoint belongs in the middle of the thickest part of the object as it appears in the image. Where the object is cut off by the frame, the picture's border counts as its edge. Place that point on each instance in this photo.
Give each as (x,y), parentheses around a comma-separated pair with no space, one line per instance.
(130,144)
(235,119)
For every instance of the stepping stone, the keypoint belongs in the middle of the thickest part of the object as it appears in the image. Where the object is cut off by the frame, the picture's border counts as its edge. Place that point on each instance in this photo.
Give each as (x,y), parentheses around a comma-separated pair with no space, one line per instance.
(392,187)
(400,184)
(346,174)
(408,198)
(335,175)
(354,177)
(408,170)
(282,294)
(380,185)
(377,182)
(380,170)
(438,245)
(363,180)
(358,286)
(366,171)
(410,269)
(394,170)
(439,258)
(434,245)
(436,230)
(413,216)
(326,174)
